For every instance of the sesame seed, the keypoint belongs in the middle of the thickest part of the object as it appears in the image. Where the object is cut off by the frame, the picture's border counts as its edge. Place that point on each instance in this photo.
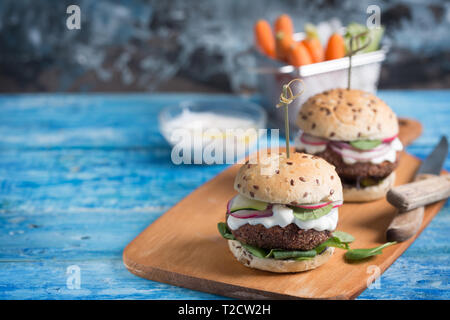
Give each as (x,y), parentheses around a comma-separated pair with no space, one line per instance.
(302,179)
(252,194)
(292,182)
(255,187)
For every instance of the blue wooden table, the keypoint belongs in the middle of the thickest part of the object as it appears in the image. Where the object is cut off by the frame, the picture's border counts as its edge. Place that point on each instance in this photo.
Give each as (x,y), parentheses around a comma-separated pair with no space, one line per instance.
(82,175)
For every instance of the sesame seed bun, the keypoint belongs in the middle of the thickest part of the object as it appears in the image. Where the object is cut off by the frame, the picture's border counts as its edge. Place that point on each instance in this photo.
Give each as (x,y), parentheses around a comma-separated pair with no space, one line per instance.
(299,179)
(369,193)
(279,266)
(347,115)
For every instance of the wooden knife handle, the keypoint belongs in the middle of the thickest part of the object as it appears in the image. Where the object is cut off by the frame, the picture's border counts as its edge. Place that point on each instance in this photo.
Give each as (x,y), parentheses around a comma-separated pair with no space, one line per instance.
(424,190)
(405,225)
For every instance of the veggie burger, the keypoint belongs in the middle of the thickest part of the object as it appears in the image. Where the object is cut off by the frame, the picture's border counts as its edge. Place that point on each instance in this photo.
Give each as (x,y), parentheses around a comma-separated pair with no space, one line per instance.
(284,216)
(357,133)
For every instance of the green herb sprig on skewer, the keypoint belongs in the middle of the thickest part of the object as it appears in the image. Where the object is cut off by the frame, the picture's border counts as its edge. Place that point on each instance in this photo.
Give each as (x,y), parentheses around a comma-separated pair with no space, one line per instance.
(286,98)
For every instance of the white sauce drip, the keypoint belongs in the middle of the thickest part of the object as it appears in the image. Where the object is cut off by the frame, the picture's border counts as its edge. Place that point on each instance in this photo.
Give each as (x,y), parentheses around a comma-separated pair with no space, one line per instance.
(283,215)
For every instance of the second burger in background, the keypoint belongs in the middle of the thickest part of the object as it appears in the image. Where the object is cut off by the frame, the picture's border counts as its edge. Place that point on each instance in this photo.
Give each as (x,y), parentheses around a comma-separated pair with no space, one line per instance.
(357,133)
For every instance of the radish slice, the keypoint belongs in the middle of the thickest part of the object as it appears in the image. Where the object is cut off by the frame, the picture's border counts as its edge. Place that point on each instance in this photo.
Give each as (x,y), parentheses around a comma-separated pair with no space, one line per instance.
(342,145)
(313,206)
(247,214)
(337,204)
(319,205)
(387,140)
(312,140)
(361,155)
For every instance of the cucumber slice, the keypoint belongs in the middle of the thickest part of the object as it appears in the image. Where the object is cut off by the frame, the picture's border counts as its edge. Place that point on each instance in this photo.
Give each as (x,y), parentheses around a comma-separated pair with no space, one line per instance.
(242,203)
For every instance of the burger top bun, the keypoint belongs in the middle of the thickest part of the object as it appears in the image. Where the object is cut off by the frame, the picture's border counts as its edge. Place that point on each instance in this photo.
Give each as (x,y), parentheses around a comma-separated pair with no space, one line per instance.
(299,179)
(347,115)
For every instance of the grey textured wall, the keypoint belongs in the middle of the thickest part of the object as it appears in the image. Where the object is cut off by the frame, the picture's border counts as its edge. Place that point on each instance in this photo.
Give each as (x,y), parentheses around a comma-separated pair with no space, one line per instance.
(146,45)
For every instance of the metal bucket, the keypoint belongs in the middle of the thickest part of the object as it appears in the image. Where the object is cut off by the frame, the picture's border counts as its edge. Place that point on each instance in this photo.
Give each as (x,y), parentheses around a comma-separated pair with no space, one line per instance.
(272,74)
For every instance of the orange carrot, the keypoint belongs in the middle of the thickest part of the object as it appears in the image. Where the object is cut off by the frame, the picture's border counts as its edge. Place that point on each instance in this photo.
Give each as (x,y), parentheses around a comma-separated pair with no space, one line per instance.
(312,43)
(299,55)
(264,38)
(284,24)
(335,47)
(282,45)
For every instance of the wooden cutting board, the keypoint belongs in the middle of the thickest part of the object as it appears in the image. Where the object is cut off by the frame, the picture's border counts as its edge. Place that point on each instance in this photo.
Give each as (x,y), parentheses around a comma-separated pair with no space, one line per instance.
(184,248)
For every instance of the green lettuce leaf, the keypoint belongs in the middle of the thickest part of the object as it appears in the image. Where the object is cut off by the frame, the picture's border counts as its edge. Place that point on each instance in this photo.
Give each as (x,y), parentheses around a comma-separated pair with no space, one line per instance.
(224,231)
(257,252)
(339,239)
(331,242)
(343,237)
(359,254)
(282,254)
(311,214)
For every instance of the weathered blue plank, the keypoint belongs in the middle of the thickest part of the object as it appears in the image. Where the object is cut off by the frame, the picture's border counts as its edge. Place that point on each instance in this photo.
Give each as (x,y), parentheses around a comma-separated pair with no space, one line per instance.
(99,279)
(82,175)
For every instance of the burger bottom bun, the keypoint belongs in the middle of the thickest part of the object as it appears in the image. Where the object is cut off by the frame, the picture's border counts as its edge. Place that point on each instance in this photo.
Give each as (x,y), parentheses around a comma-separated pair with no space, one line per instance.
(279,266)
(369,193)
